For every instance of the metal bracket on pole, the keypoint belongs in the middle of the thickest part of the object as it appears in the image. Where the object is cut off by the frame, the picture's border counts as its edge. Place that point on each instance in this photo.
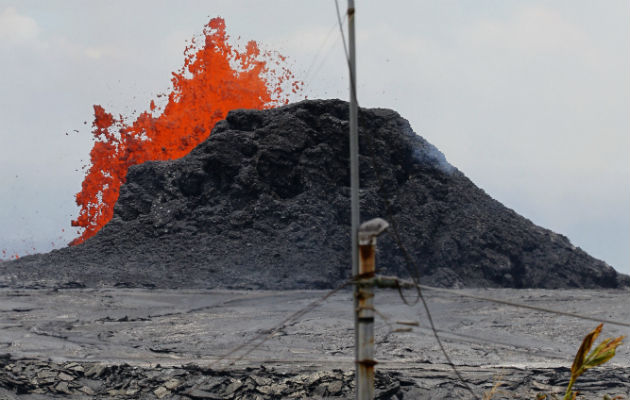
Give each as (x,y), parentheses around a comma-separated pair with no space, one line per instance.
(368,231)
(364,291)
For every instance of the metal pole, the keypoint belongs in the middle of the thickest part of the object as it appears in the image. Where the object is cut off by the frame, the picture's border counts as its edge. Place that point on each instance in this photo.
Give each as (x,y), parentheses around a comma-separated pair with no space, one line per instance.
(365,309)
(354,170)
(365,314)
(354,143)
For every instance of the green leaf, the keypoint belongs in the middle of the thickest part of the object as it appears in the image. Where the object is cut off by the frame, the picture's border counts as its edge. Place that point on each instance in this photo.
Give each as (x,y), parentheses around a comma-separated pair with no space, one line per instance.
(585,347)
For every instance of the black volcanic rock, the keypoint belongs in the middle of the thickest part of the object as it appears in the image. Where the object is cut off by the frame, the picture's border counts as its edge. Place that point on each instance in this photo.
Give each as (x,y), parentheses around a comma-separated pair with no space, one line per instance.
(264,203)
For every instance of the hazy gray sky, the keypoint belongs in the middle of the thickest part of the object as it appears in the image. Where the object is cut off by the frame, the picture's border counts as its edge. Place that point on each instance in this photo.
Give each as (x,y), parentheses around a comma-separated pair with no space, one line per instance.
(530,99)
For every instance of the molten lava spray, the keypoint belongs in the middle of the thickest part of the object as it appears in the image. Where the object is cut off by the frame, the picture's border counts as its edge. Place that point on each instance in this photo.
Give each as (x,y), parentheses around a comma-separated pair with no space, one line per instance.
(215,79)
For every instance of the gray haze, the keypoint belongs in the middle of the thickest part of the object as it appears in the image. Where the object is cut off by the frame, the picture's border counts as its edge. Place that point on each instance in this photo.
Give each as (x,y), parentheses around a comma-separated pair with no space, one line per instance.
(529,99)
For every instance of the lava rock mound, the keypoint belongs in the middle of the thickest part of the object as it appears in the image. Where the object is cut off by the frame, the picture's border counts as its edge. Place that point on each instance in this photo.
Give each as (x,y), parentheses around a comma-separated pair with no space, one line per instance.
(264,203)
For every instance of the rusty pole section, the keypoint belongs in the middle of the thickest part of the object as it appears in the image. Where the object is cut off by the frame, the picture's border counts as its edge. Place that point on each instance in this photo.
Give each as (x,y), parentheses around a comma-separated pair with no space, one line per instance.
(368,232)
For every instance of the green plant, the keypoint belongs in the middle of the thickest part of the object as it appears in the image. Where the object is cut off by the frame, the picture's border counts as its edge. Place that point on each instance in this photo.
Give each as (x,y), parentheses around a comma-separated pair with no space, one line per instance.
(586,359)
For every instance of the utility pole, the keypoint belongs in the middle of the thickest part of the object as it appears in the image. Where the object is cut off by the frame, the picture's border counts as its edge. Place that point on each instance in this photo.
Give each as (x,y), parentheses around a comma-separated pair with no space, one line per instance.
(354,141)
(354,175)
(363,245)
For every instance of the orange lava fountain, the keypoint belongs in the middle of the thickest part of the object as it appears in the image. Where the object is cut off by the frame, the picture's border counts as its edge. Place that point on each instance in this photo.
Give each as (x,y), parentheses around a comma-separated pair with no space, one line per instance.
(215,79)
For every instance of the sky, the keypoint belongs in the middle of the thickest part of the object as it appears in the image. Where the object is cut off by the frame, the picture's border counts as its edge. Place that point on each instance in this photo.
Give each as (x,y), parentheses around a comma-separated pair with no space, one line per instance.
(530,99)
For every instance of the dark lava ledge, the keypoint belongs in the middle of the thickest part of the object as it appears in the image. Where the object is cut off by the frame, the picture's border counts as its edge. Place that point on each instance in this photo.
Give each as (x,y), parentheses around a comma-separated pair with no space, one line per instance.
(264,203)
(44,380)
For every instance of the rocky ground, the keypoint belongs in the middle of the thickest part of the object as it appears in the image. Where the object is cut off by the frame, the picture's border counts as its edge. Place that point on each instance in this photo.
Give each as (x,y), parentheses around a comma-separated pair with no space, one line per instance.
(264,204)
(29,379)
(37,379)
(132,343)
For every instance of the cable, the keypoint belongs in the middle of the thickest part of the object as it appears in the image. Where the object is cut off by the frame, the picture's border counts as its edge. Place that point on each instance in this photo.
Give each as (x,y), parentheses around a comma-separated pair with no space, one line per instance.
(371,146)
(263,337)
(343,36)
(317,64)
(439,341)
(393,224)
(392,281)
(353,83)
(535,308)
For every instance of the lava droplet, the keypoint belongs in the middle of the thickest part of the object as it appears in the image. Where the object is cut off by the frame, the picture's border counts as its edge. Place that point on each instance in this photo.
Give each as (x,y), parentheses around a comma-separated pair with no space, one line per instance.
(216,78)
